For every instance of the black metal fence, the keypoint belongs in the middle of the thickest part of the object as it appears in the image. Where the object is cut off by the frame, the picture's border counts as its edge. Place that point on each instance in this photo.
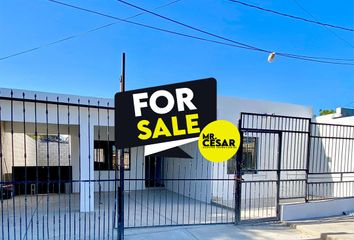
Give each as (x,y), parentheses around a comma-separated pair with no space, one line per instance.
(179,191)
(59,171)
(331,167)
(49,186)
(297,159)
(279,171)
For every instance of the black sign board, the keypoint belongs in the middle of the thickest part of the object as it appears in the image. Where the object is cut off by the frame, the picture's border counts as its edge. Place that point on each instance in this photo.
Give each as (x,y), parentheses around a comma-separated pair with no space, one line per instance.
(164,113)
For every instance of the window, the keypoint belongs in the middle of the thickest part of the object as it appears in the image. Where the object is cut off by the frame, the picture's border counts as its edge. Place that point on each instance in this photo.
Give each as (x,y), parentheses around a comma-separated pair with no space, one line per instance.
(105,156)
(99,155)
(43,138)
(231,165)
(126,157)
(249,157)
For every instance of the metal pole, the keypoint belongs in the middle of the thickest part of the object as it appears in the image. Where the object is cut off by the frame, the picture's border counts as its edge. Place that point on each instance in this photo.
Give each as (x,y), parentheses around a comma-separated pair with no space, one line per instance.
(238,177)
(280,139)
(121,169)
(308,156)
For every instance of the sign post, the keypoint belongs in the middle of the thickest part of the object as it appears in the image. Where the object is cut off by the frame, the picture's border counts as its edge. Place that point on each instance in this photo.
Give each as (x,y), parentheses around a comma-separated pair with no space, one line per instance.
(159,114)
(121,167)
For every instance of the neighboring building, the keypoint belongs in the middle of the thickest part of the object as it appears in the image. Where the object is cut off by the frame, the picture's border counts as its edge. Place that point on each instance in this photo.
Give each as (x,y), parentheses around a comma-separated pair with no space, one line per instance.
(343,116)
(338,164)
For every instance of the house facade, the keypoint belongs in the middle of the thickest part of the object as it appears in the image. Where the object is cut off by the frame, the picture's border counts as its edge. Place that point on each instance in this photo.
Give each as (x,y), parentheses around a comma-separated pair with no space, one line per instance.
(60,149)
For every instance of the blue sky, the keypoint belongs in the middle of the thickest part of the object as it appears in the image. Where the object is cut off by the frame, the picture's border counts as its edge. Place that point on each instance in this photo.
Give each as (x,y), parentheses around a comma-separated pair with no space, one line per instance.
(90,64)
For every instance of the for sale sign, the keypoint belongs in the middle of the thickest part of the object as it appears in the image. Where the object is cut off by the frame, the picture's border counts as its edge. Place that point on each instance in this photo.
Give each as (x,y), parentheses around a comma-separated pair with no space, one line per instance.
(164,113)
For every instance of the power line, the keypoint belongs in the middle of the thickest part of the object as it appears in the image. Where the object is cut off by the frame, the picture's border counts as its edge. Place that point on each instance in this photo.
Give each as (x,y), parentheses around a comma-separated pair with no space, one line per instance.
(290,55)
(191,27)
(119,20)
(81,33)
(292,16)
(325,27)
(155,28)
(236,44)
(183,34)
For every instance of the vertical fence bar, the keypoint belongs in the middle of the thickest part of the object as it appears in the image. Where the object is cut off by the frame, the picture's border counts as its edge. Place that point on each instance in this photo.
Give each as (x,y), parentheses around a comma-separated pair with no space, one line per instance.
(308,156)
(13,164)
(99,168)
(121,169)
(59,167)
(70,165)
(37,173)
(79,159)
(47,158)
(110,164)
(2,182)
(89,163)
(279,174)
(238,177)
(25,162)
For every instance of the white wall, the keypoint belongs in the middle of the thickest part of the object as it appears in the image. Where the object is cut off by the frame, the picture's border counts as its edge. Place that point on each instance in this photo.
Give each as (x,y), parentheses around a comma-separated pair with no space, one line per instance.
(318,209)
(196,168)
(6,149)
(19,139)
(229,108)
(334,155)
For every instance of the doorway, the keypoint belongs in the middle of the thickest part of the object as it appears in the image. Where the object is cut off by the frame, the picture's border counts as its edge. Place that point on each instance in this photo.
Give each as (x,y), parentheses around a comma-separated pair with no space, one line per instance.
(153,171)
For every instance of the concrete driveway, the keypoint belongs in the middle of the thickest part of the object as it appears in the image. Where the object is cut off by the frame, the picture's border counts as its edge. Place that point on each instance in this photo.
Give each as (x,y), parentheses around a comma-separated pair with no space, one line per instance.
(59,216)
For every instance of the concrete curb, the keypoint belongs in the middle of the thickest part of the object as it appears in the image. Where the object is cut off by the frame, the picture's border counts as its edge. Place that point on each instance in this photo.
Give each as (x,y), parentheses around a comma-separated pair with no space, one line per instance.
(322,236)
(337,236)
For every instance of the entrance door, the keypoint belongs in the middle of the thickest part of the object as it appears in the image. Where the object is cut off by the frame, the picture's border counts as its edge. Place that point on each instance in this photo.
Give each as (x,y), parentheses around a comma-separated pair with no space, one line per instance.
(153,171)
(259,195)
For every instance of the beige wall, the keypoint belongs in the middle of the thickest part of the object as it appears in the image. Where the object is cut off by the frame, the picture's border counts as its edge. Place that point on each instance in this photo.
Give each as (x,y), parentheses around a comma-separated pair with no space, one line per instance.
(6,149)
(19,149)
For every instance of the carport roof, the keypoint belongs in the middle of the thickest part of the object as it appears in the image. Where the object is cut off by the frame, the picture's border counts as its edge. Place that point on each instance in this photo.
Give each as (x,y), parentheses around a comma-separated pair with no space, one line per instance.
(175,152)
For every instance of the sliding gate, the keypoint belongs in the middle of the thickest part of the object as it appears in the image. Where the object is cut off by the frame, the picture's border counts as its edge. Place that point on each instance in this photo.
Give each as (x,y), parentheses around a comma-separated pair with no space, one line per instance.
(170,188)
(178,187)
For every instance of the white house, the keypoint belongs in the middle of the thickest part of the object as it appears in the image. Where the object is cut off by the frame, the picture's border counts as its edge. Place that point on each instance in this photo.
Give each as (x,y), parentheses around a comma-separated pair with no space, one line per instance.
(77,133)
(87,123)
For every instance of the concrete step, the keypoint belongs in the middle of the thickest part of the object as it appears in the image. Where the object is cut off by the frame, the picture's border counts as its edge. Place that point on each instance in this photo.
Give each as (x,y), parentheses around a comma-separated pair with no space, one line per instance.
(335,228)
(337,236)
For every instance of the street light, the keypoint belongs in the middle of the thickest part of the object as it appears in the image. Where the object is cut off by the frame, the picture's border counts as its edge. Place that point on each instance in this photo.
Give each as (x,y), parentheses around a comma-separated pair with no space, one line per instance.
(271,57)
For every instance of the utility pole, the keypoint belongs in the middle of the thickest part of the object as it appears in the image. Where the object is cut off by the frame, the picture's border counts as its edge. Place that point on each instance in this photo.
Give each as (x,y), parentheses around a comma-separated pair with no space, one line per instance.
(122,78)
(121,168)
